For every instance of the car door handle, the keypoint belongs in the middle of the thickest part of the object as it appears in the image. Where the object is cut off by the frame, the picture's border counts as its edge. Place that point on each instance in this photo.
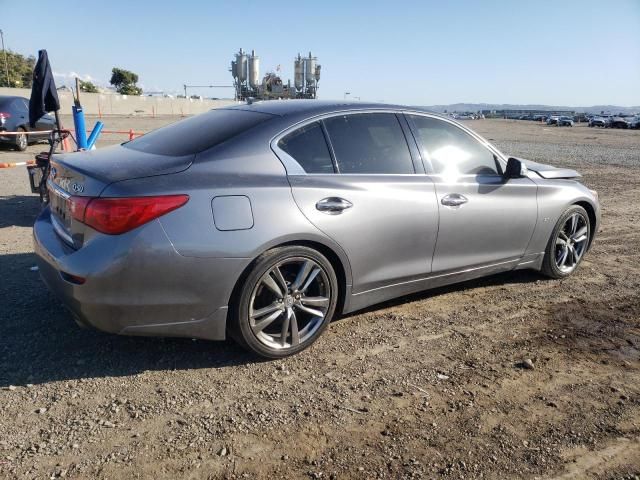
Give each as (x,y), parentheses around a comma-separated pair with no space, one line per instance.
(333,205)
(454,200)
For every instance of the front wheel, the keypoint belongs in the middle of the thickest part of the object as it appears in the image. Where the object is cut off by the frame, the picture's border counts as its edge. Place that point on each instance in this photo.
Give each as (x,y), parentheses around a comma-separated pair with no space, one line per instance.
(285,302)
(22,142)
(568,243)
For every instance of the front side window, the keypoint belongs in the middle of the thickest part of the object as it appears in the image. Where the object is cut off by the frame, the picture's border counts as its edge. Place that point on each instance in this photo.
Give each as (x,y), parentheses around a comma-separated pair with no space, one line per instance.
(369,143)
(308,147)
(452,151)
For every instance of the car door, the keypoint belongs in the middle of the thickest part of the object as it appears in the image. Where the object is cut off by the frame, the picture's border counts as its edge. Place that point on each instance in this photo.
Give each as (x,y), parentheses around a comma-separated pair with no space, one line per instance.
(484,219)
(357,183)
(21,111)
(44,123)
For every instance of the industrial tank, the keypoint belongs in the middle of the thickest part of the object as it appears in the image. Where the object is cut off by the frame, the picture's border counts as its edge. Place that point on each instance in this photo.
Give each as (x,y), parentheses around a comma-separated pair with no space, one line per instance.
(241,66)
(298,68)
(310,68)
(254,70)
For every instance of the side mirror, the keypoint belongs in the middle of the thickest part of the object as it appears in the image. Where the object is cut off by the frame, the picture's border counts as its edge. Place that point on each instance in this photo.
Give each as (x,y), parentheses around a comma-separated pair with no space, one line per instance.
(515,169)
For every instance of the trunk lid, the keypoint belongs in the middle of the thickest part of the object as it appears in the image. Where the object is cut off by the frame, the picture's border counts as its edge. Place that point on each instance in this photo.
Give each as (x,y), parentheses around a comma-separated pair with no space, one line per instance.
(115,163)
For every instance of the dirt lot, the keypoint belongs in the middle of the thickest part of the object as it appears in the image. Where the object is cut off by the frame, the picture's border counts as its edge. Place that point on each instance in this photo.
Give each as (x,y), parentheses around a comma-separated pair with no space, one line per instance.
(427,386)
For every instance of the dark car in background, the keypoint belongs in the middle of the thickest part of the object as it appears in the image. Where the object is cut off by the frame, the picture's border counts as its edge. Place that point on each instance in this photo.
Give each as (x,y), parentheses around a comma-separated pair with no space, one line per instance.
(565,122)
(14,117)
(560,121)
(599,122)
(620,122)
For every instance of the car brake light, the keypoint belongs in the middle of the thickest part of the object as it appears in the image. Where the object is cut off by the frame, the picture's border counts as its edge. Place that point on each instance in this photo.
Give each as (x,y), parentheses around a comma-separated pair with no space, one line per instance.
(77,206)
(78,280)
(114,216)
(5,115)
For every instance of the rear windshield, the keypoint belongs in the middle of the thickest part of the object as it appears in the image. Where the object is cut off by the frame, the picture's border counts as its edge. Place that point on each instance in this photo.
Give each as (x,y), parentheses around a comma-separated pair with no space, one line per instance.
(5,101)
(196,134)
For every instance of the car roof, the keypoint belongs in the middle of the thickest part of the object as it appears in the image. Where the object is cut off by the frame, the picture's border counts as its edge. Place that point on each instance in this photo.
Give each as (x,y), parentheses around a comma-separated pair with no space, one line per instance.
(285,108)
(11,97)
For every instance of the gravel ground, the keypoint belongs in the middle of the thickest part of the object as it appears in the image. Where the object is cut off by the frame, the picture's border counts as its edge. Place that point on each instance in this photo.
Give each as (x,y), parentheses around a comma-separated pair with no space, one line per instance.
(428,386)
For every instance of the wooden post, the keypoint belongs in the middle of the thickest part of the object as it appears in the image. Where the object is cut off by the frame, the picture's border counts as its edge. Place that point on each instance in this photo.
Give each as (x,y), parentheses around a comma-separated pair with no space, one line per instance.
(77,91)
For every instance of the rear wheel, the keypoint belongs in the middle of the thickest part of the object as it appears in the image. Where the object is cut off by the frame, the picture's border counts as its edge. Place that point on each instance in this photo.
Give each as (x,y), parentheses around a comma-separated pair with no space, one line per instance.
(285,303)
(568,243)
(22,142)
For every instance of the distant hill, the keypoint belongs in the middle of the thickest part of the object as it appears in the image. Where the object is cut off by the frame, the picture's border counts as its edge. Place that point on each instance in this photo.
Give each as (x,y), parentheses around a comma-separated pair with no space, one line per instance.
(474,107)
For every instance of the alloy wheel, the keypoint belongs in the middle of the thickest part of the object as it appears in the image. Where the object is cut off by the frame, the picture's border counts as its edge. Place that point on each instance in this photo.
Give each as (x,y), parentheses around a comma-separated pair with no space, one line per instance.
(289,303)
(22,141)
(571,242)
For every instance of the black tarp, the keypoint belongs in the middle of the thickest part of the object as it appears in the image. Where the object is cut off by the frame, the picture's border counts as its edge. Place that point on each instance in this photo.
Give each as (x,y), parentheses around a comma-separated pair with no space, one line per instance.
(44,97)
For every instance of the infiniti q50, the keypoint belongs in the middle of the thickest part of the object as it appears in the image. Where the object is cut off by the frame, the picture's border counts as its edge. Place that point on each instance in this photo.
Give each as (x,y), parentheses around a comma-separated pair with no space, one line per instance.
(263,221)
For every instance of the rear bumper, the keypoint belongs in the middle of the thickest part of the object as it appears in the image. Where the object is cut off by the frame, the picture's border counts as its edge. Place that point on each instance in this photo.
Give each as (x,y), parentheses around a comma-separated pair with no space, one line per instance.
(136,284)
(7,138)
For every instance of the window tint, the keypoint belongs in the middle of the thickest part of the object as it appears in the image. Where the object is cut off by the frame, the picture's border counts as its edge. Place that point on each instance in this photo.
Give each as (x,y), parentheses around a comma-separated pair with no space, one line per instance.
(453,151)
(308,147)
(198,133)
(369,143)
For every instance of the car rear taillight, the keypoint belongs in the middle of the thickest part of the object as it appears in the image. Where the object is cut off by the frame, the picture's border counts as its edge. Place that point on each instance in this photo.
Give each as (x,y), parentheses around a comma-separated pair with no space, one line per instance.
(114,216)
(4,116)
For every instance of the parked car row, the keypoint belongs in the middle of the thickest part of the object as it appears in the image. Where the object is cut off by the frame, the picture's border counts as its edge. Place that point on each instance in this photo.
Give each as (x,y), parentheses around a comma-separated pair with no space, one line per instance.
(560,121)
(466,116)
(604,121)
(609,121)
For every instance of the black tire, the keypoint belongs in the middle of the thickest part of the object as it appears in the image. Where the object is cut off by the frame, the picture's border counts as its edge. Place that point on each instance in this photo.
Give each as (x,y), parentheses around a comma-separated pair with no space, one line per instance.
(22,140)
(239,323)
(549,266)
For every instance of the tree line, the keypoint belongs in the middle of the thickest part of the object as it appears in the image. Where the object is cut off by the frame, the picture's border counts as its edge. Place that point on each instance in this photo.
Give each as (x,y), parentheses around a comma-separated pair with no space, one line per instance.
(20,75)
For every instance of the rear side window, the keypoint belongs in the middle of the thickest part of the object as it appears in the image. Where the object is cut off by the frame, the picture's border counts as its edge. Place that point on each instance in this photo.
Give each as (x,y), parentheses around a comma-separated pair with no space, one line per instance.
(453,151)
(369,143)
(308,147)
(196,134)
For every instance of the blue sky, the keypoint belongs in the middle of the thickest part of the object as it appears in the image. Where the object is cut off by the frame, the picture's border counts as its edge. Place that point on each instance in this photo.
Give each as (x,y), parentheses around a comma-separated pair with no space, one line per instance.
(571,52)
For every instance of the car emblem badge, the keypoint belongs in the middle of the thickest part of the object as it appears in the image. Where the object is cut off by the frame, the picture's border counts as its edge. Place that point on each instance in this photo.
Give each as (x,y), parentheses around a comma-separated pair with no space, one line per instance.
(77,187)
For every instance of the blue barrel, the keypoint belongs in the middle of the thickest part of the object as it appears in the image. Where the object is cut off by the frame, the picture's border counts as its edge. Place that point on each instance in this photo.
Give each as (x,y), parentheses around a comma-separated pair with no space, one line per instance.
(81,129)
(95,133)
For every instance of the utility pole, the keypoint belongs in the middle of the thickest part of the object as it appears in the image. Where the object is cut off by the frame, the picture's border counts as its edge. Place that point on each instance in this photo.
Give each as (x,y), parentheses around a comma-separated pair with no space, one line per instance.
(6,65)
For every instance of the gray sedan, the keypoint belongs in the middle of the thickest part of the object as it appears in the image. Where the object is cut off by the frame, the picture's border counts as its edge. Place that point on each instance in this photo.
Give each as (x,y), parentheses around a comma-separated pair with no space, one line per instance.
(263,221)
